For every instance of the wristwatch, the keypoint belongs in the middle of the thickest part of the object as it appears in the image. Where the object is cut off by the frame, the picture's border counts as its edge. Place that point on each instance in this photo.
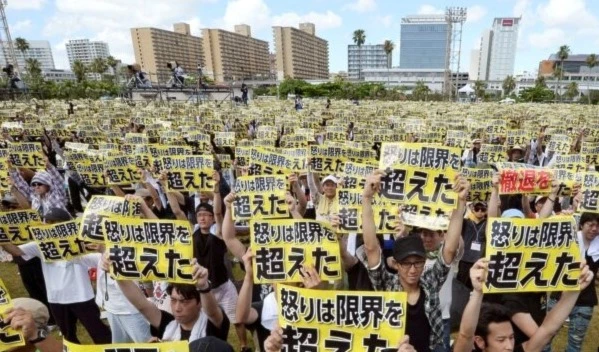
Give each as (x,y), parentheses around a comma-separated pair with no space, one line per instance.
(42,334)
(207,289)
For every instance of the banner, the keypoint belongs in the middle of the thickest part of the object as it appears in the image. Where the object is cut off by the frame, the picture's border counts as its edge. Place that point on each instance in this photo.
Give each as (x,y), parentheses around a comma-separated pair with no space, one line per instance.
(201,141)
(29,155)
(567,179)
(340,320)
(481,183)
(4,185)
(92,174)
(189,173)
(100,208)
(386,218)
(281,247)
(242,155)
(9,338)
(573,162)
(14,225)
(532,255)
(420,177)
(121,170)
(136,138)
(327,160)
(260,197)
(517,138)
(590,193)
(518,178)
(457,139)
(58,241)
(147,250)
(495,128)
(171,346)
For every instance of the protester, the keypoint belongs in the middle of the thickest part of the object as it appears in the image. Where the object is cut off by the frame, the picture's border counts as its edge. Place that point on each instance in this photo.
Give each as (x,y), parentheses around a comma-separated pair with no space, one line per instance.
(30,317)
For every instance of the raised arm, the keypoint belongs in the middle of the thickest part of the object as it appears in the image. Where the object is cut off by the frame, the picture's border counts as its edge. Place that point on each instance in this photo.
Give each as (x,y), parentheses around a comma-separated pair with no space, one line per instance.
(494,202)
(13,250)
(292,206)
(302,203)
(19,183)
(209,303)
(244,311)
(547,209)
(372,246)
(218,204)
(454,232)
(465,339)
(174,198)
(313,181)
(558,315)
(145,210)
(229,234)
(528,213)
(57,180)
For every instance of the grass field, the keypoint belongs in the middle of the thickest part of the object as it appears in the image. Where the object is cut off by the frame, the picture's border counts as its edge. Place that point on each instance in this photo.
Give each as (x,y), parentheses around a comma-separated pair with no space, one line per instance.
(10,275)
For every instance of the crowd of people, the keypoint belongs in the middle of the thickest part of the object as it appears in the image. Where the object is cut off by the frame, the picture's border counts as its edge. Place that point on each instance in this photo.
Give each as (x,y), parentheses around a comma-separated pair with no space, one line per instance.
(442,271)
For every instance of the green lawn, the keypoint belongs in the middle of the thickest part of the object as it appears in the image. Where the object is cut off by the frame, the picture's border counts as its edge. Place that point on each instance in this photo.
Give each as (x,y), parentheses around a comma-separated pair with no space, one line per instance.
(10,276)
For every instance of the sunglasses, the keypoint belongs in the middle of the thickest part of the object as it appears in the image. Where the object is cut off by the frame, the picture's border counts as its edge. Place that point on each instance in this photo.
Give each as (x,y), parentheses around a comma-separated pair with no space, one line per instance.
(480,208)
(36,184)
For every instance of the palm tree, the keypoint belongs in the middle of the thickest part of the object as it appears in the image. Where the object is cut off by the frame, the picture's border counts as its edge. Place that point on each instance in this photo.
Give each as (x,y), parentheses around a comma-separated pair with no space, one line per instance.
(359,39)
(540,81)
(420,91)
(79,69)
(22,45)
(591,63)
(509,84)
(388,46)
(112,63)
(572,90)
(33,67)
(98,66)
(562,54)
(479,88)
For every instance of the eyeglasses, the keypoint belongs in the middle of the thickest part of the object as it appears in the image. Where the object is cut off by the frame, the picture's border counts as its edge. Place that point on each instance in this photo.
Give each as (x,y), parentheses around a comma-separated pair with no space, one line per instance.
(36,184)
(479,208)
(408,265)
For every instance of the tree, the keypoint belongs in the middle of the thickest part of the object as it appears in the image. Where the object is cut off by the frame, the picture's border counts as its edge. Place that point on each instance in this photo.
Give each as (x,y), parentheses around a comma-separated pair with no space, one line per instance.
(388,46)
(33,67)
(79,69)
(479,89)
(536,94)
(540,82)
(562,55)
(509,84)
(420,91)
(22,45)
(572,90)
(98,66)
(113,63)
(591,63)
(359,38)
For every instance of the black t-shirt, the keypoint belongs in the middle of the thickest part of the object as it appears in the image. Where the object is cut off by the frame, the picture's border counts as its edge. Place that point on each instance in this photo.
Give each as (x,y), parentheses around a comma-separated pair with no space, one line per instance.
(417,325)
(256,326)
(588,296)
(357,278)
(211,330)
(534,303)
(210,251)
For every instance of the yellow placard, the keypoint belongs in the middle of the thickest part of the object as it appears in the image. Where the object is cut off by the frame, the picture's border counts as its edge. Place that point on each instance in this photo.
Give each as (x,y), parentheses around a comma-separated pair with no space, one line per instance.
(327,160)
(100,208)
(336,321)
(171,346)
(224,139)
(121,170)
(9,337)
(590,193)
(532,255)
(281,247)
(189,172)
(142,249)
(572,162)
(260,197)
(58,241)
(92,174)
(28,155)
(492,153)
(267,162)
(14,225)
(481,183)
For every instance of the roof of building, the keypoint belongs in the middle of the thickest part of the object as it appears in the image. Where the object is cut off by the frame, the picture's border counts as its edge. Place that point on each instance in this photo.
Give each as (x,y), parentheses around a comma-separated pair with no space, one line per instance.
(574,57)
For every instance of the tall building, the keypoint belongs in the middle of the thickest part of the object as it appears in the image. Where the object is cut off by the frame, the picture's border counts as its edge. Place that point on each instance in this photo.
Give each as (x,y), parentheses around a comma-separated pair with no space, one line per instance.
(235,55)
(154,48)
(423,42)
(497,49)
(38,49)
(85,51)
(365,56)
(300,53)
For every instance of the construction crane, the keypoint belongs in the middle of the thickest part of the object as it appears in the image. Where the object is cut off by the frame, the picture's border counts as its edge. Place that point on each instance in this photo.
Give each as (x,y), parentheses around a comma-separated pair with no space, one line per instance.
(455,18)
(8,48)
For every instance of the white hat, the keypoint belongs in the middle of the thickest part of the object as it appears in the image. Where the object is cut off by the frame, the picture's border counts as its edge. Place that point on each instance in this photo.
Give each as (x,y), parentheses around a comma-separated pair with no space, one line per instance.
(269,317)
(329,178)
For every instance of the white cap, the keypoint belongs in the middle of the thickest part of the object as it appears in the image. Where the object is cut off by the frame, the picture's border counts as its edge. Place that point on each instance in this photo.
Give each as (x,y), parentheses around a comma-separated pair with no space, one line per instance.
(329,178)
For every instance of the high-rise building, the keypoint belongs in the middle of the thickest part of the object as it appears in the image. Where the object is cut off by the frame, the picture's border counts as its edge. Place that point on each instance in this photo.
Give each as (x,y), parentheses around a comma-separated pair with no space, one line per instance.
(365,56)
(39,50)
(85,51)
(300,53)
(497,49)
(154,48)
(235,55)
(423,42)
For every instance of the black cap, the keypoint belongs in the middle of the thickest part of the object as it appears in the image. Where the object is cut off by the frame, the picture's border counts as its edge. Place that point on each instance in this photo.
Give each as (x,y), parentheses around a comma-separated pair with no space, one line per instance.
(205,207)
(57,215)
(209,344)
(407,246)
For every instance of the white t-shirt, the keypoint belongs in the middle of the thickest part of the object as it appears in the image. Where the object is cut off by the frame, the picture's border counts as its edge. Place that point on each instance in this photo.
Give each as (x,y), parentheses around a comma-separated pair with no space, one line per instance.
(66,281)
(117,303)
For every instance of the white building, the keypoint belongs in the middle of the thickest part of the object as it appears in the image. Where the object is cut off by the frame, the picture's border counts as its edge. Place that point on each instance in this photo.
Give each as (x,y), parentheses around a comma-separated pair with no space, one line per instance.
(38,49)
(366,56)
(408,78)
(497,50)
(59,75)
(85,51)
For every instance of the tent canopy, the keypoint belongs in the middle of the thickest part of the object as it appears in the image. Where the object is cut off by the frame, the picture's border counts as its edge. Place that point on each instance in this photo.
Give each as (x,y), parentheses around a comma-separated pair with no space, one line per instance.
(466,89)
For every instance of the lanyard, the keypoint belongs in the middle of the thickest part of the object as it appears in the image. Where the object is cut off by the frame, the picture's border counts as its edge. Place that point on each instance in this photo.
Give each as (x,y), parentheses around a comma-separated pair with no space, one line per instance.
(478,230)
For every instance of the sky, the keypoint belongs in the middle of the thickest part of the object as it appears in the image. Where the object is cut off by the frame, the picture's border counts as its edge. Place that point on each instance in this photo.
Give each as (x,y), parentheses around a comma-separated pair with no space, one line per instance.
(546,24)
